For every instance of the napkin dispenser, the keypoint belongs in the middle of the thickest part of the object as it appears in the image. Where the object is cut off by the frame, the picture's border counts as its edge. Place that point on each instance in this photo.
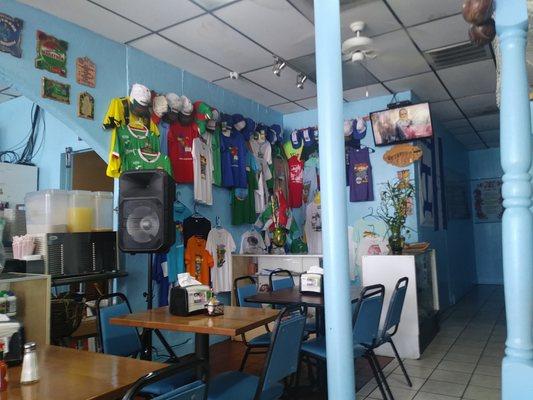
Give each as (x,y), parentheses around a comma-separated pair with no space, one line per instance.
(311,283)
(187,300)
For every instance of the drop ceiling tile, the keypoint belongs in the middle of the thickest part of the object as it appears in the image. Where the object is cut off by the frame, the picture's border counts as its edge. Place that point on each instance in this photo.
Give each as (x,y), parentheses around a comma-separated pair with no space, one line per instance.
(4,98)
(419,11)
(274,24)
(4,86)
(457,123)
(445,111)
(440,33)
(212,38)
(310,104)
(285,84)
(287,108)
(251,91)
(470,79)
(377,16)
(426,86)
(462,130)
(354,76)
(468,139)
(492,135)
(479,104)
(486,122)
(92,17)
(396,57)
(159,14)
(305,64)
(167,51)
(212,4)
(493,144)
(361,92)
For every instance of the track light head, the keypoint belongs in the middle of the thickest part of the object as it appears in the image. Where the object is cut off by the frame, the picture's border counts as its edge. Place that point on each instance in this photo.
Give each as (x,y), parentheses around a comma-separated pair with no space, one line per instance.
(300,80)
(278,66)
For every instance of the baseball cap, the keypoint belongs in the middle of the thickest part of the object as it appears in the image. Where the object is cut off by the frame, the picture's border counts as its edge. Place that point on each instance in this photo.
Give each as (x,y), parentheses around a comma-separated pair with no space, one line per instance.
(358,128)
(215,118)
(174,102)
(249,128)
(141,94)
(186,106)
(238,122)
(347,127)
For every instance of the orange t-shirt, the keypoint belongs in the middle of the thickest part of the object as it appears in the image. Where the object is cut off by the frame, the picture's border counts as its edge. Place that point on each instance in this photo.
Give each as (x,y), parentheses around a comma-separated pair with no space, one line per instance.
(198,260)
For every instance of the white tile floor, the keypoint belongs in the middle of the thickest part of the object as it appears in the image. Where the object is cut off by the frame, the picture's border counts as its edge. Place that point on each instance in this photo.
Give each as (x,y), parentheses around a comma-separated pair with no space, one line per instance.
(464,359)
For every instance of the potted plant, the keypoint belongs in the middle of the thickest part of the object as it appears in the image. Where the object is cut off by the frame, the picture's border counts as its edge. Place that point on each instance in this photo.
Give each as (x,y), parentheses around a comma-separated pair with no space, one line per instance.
(396,204)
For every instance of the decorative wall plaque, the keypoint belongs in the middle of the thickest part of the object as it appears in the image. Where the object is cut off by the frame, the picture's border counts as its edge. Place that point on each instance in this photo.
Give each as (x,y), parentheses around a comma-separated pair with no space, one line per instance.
(85,72)
(85,105)
(51,54)
(10,35)
(402,155)
(55,90)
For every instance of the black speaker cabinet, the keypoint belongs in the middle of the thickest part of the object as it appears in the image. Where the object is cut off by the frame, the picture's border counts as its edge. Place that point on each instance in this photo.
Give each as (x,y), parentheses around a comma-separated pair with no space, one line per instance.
(146,201)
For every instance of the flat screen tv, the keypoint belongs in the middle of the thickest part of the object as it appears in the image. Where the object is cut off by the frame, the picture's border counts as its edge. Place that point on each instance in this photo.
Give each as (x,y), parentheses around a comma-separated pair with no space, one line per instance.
(402,124)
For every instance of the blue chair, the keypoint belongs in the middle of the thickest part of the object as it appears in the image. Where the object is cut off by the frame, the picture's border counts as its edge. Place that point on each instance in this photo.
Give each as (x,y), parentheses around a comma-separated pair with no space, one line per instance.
(287,283)
(196,390)
(261,343)
(125,341)
(284,283)
(366,316)
(392,321)
(282,362)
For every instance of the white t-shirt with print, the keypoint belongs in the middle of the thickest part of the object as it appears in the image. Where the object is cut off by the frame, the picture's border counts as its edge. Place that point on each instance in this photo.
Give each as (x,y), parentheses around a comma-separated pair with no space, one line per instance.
(202,157)
(220,244)
(262,152)
(252,243)
(313,228)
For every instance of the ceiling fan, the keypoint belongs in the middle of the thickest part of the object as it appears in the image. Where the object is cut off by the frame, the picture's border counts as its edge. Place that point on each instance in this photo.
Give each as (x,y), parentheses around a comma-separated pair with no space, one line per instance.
(357,48)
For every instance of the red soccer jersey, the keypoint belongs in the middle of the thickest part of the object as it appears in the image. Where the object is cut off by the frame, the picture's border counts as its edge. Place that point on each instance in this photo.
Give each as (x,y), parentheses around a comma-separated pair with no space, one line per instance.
(180,139)
(296,185)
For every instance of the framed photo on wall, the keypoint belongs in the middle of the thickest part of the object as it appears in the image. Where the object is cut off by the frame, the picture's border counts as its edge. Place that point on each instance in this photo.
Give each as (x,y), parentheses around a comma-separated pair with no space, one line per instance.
(487,200)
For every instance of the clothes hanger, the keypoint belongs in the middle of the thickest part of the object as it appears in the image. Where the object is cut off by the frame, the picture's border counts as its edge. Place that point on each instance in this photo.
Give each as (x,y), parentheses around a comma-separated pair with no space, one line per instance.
(370,214)
(196,213)
(217,222)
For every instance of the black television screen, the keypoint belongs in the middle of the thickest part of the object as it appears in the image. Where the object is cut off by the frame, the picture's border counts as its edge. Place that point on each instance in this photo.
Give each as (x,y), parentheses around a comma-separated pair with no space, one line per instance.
(402,124)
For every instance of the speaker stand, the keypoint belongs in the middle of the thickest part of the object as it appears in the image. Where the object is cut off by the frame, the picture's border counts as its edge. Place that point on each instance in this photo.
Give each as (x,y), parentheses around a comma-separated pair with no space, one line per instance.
(146,336)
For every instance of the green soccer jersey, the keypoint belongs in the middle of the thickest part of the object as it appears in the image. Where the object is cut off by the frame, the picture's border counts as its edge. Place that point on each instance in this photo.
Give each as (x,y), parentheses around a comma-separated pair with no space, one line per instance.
(127,142)
(215,149)
(140,160)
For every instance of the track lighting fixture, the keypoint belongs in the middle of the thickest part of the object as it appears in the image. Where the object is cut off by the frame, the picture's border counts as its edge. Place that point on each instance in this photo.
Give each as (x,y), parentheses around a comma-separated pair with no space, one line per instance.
(278,66)
(300,81)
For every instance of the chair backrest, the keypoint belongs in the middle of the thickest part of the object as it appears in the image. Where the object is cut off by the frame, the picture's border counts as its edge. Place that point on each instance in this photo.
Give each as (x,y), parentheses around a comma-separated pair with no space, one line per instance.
(115,339)
(283,354)
(196,390)
(284,283)
(394,313)
(241,292)
(367,315)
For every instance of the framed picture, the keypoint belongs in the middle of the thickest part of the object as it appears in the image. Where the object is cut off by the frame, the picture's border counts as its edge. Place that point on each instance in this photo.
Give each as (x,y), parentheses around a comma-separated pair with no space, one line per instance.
(10,35)
(85,72)
(85,105)
(487,200)
(51,54)
(55,90)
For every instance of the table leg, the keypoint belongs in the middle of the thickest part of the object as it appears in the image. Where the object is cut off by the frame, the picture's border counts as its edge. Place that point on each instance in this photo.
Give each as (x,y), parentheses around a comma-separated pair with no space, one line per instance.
(201,346)
(320,322)
(171,355)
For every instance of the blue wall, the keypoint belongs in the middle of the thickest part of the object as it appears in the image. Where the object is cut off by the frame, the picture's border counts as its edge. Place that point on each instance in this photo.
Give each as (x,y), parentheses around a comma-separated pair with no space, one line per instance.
(485,164)
(118,66)
(57,136)
(381,171)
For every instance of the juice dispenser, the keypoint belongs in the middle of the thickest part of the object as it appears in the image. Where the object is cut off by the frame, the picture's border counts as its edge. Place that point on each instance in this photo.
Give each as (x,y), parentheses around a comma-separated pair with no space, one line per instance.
(103,211)
(80,212)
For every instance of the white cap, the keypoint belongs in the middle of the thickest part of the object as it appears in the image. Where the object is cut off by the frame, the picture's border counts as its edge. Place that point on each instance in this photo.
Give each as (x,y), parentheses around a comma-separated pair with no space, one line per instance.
(174,102)
(347,127)
(141,94)
(186,106)
(361,125)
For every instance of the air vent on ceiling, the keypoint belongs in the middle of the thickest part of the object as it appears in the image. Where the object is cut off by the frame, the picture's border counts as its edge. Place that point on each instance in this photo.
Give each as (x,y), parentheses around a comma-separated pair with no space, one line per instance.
(458,54)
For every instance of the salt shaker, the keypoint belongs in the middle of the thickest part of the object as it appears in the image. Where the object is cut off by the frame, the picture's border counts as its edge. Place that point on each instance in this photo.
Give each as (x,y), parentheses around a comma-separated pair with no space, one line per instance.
(30,369)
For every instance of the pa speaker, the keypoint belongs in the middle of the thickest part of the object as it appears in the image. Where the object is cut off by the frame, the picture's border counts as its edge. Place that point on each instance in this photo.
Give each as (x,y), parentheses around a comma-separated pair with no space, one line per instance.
(145,213)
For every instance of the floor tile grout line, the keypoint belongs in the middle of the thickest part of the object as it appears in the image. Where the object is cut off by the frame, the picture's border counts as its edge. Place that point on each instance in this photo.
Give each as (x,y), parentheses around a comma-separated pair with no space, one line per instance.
(477,363)
(453,343)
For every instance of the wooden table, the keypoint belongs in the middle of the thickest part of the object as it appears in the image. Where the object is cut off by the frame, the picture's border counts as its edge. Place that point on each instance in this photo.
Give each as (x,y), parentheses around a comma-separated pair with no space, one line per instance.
(68,374)
(235,321)
(292,296)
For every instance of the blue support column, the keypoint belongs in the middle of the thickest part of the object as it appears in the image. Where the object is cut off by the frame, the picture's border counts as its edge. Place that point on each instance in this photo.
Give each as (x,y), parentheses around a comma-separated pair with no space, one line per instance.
(517,223)
(341,379)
